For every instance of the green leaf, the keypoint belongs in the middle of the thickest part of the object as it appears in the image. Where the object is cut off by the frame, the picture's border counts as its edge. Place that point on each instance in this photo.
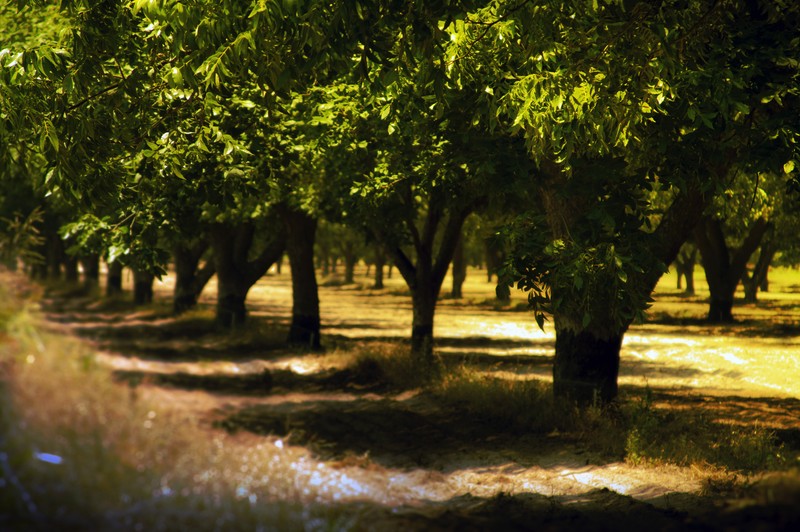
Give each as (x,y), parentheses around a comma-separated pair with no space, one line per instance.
(788,167)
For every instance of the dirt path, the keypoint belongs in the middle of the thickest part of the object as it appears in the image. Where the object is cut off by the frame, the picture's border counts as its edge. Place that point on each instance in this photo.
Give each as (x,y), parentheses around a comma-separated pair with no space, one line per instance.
(410,463)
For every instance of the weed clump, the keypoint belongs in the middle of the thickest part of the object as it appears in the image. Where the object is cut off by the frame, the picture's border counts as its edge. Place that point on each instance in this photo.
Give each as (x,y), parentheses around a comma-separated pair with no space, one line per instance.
(658,435)
(390,365)
(516,405)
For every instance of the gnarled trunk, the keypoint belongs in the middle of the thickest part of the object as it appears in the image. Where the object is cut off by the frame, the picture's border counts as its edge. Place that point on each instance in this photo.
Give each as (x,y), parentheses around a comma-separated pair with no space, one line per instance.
(305,326)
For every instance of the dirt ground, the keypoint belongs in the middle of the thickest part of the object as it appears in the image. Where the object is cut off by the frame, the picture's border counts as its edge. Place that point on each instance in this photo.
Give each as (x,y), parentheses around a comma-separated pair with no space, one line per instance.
(402,462)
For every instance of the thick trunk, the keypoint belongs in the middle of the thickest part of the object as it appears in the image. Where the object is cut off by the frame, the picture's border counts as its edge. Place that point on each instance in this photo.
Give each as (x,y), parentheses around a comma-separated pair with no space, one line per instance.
(231,308)
(305,326)
(114,279)
(586,367)
(380,261)
(459,269)
(142,287)
(720,310)
(189,281)
(424,308)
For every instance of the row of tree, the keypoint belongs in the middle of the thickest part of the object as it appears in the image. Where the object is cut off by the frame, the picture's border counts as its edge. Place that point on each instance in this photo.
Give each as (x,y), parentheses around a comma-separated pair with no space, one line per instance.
(597,137)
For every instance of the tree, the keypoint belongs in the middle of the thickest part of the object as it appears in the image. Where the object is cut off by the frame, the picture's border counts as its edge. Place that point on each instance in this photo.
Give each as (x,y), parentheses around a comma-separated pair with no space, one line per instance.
(730,234)
(725,267)
(684,266)
(603,139)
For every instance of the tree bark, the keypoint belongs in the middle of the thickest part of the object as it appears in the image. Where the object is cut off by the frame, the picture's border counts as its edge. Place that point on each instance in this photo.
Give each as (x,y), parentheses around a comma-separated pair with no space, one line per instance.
(55,255)
(236,272)
(71,274)
(758,279)
(586,367)
(424,279)
(305,328)
(424,309)
(142,287)
(114,279)
(189,281)
(724,268)
(350,260)
(380,261)
(459,269)
(91,271)
(684,266)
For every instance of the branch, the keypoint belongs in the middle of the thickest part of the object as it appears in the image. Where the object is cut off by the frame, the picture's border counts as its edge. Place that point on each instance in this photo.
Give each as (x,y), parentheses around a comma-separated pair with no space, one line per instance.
(488,26)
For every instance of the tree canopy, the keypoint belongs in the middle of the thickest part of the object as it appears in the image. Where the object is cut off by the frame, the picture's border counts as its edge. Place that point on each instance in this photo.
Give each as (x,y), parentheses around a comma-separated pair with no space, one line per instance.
(617,125)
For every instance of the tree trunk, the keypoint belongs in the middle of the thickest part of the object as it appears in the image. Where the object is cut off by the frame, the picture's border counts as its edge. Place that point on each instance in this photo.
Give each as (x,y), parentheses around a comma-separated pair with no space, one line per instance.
(236,272)
(720,310)
(114,279)
(350,260)
(756,280)
(586,367)
(55,256)
(142,287)
(459,269)
(684,266)
(424,279)
(91,271)
(189,281)
(724,269)
(71,274)
(305,326)
(380,261)
(424,308)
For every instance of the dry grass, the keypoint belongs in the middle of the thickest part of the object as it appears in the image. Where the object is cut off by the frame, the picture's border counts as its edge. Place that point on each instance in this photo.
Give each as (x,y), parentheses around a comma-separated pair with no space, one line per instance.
(81,451)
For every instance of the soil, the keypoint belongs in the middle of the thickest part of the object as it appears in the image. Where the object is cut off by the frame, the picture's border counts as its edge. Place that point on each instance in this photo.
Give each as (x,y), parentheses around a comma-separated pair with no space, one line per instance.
(397,460)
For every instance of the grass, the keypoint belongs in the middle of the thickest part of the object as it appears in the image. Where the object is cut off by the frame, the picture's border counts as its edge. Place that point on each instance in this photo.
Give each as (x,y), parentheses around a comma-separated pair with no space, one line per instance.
(124,461)
(690,438)
(633,429)
(79,451)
